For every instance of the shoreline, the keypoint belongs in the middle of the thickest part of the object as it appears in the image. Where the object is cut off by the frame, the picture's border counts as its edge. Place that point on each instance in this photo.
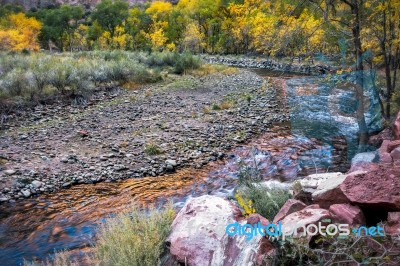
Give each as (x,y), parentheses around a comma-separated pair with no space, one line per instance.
(116,139)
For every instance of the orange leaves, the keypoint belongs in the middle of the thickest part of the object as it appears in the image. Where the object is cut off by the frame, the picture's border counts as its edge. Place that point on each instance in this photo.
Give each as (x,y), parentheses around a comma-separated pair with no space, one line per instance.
(18,32)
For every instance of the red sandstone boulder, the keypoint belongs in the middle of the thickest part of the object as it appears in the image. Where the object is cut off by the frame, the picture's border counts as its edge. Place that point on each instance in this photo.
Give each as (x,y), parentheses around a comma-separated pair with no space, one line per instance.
(347,214)
(392,226)
(198,235)
(303,218)
(290,206)
(377,189)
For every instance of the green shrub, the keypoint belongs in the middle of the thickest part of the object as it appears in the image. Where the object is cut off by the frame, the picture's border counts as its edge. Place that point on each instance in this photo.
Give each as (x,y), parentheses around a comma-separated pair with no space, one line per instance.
(152,149)
(267,202)
(186,61)
(134,237)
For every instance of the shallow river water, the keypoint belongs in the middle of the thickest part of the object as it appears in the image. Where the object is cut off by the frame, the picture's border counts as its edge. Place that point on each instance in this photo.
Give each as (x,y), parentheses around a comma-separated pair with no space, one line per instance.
(316,139)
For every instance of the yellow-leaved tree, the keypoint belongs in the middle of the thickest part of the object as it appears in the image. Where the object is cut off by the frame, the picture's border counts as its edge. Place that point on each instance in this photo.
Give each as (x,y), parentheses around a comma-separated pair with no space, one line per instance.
(18,32)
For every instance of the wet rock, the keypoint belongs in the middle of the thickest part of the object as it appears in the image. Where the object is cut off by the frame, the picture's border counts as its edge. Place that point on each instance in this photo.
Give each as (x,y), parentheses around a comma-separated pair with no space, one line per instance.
(37,184)
(26,193)
(347,214)
(290,206)
(198,235)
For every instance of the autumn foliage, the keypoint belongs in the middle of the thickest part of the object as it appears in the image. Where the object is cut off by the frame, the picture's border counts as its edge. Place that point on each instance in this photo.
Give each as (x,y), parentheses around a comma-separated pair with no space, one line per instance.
(18,32)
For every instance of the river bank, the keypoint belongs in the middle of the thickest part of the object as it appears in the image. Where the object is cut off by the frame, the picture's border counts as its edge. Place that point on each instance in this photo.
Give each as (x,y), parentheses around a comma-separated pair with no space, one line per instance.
(146,131)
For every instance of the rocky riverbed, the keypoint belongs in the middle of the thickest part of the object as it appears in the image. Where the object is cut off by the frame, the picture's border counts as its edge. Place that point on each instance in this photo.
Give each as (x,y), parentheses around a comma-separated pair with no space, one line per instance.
(182,122)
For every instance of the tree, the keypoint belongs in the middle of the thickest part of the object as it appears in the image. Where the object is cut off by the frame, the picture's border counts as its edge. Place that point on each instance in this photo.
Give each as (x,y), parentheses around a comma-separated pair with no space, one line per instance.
(109,14)
(353,14)
(18,32)
(384,16)
(58,23)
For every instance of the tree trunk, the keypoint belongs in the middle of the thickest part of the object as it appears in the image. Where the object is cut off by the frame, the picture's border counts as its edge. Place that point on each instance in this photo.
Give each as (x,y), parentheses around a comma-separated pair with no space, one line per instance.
(363,131)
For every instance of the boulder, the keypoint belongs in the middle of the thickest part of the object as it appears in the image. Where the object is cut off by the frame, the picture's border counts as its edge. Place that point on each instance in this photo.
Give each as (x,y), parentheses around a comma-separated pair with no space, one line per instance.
(328,192)
(347,214)
(290,206)
(384,155)
(303,218)
(365,157)
(198,235)
(392,226)
(311,182)
(376,190)
(395,154)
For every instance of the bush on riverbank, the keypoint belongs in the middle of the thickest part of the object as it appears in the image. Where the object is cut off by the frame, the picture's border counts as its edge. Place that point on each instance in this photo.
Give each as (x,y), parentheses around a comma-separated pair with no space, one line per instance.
(134,237)
(42,77)
(254,197)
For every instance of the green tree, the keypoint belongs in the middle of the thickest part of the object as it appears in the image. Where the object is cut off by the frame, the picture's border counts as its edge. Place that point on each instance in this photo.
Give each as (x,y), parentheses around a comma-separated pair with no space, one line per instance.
(109,14)
(58,23)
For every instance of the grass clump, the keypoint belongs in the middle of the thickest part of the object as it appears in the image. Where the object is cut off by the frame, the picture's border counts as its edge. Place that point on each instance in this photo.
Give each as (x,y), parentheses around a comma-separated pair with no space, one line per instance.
(265,201)
(152,149)
(134,237)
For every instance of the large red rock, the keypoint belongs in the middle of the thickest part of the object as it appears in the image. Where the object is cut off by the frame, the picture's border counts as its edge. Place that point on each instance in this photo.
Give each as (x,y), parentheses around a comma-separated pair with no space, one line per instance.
(347,214)
(198,235)
(290,206)
(377,189)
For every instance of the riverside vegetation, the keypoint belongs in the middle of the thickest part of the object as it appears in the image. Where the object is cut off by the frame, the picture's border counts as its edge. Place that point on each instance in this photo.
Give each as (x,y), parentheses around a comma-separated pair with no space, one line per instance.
(42,78)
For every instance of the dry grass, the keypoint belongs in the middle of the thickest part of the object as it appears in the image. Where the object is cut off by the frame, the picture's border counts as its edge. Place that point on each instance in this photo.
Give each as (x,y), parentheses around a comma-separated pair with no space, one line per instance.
(226,105)
(208,69)
(134,237)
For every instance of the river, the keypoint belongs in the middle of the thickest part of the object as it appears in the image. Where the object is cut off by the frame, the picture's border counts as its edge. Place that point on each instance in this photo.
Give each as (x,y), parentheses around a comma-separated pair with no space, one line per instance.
(321,136)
